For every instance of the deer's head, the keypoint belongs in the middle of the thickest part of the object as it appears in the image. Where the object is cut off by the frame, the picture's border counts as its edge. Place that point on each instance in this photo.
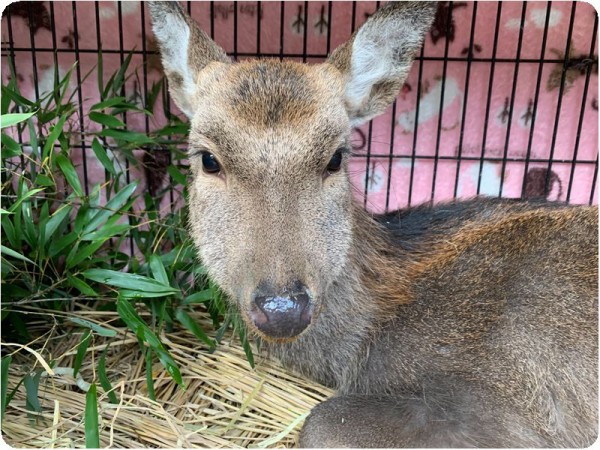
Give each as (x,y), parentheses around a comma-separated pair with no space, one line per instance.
(270,202)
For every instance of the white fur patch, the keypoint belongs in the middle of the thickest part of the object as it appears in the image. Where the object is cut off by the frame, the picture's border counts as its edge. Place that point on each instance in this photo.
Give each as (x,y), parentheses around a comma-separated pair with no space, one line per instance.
(372,62)
(174,35)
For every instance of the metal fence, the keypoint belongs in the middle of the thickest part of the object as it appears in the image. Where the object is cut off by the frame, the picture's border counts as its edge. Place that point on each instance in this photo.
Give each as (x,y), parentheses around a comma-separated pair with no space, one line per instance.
(502,100)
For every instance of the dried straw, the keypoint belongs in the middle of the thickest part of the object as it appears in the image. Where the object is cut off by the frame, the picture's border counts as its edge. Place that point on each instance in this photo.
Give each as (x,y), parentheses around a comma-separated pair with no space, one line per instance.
(227,404)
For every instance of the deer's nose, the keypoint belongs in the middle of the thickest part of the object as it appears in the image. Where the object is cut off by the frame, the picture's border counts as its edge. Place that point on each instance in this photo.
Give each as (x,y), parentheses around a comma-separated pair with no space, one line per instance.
(281,313)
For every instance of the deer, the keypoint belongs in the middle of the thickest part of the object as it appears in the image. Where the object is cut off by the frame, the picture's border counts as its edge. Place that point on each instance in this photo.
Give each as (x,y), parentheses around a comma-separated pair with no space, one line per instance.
(469,323)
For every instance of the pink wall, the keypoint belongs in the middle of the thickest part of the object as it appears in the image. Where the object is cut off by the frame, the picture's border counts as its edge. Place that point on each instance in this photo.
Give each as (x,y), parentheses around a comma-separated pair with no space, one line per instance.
(463,111)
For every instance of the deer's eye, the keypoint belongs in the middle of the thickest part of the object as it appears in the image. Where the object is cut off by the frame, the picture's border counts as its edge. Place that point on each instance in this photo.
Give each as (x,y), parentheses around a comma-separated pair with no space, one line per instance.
(210,163)
(335,163)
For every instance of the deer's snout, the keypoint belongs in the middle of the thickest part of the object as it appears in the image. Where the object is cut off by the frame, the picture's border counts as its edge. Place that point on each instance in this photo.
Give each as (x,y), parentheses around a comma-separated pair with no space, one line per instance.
(281,313)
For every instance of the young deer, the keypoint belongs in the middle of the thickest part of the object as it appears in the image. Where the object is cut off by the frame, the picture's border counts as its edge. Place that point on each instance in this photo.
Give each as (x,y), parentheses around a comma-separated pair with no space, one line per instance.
(462,324)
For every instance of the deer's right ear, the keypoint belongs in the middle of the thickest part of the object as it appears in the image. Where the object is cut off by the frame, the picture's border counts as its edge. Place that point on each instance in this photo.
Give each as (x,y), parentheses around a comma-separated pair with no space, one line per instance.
(376,61)
(185,50)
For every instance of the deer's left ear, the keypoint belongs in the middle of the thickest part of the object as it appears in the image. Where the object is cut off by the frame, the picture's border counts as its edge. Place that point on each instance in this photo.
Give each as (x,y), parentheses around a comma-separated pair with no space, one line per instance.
(377,59)
(185,50)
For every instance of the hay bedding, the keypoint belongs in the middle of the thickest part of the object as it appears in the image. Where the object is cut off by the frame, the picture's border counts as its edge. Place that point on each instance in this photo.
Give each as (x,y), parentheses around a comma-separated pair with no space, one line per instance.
(226,404)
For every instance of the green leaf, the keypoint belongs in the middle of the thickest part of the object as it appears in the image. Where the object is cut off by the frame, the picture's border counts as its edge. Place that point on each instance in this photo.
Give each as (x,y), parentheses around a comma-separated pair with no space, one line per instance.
(177,175)
(104,381)
(185,319)
(101,331)
(127,136)
(12,253)
(67,168)
(113,205)
(129,281)
(32,384)
(149,379)
(59,245)
(199,297)
(108,103)
(10,147)
(81,286)
(107,231)
(132,294)
(83,252)
(158,270)
(140,328)
(106,119)
(57,129)
(8,120)
(102,156)
(56,219)
(81,349)
(92,436)
(24,197)
(4,384)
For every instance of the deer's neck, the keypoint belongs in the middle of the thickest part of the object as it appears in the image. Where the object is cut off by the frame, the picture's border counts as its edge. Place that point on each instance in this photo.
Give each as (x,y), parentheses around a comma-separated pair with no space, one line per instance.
(334,348)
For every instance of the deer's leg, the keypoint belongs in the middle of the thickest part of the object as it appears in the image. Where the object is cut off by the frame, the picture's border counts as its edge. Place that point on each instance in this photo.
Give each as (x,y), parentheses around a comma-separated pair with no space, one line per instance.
(410,421)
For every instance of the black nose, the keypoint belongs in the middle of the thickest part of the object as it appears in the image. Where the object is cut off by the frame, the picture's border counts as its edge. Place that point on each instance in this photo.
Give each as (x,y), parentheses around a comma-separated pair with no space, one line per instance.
(282,313)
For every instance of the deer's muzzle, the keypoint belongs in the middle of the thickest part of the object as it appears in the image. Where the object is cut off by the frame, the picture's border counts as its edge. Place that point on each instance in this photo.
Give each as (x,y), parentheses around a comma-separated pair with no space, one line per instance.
(282,313)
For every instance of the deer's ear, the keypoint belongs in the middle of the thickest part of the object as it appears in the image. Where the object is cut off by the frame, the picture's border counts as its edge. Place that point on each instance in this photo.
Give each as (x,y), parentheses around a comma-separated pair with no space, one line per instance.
(185,50)
(377,59)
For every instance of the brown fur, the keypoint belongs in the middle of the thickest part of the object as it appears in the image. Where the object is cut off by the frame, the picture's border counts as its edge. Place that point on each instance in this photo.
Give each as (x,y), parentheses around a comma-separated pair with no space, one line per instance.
(462,324)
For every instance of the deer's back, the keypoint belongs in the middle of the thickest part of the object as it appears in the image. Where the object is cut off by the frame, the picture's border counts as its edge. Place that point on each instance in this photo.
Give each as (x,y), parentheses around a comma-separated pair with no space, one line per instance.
(504,306)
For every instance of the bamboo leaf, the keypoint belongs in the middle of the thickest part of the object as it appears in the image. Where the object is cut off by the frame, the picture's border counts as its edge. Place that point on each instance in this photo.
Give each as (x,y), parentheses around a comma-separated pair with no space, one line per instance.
(158,270)
(199,297)
(101,331)
(140,328)
(57,129)
(187,321)
(8,120)
(113,205)
(106,119)
(104,381)
(4,384)
(102,156)
(68,170)
(129,281)
(81,349)
(92,436)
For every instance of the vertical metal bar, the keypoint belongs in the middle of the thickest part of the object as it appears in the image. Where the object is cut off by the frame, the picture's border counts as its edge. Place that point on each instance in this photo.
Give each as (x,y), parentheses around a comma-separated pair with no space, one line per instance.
(443,93)
(583,107)
(489,96)
(353,16)
(258,20)
(512,97)
(561,91)
(466,99)
(33,55)
(13,61)
(123,94)
(536,96)
(145,63)
(413,156)
(329,25)
(390,158)
(593,191)
(305,39)
(212,20)
(281,28)
(370,134)
(368,162)
(80,99)
(235,31)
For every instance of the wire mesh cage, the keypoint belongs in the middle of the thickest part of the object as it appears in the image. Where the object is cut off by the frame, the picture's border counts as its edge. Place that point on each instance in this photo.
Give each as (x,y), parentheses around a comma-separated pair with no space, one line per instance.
(502,99)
